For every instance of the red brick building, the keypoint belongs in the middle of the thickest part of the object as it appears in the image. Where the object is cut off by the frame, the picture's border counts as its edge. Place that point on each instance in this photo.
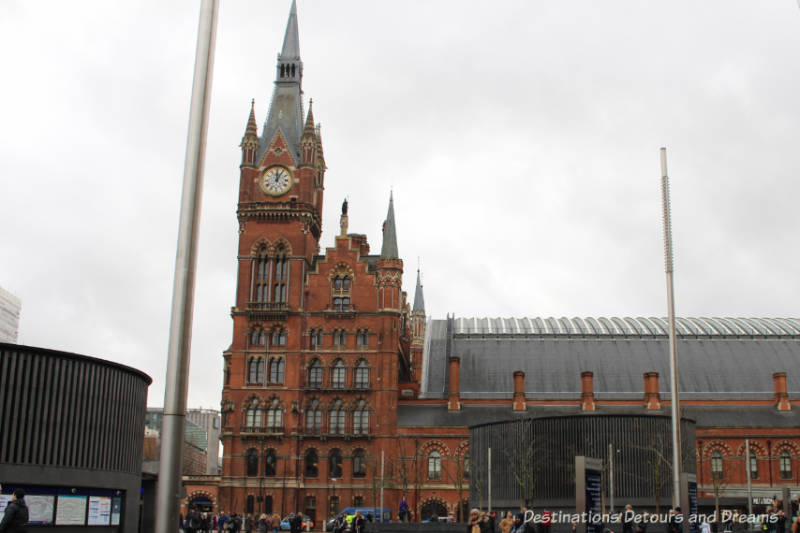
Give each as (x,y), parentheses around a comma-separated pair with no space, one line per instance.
(330,367)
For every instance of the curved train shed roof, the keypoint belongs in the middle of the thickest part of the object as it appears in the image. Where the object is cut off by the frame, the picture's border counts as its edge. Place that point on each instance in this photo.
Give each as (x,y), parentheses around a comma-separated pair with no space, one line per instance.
(719,358)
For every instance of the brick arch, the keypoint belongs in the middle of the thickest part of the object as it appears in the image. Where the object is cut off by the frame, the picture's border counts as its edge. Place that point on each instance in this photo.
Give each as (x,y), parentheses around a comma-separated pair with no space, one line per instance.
(792,446)
(367,404)
(319,358)
(332,403)
(761,451)
(248,402)
(256,247)
(308,447)
(461,449)
(437,500)
(722,446)
(287,247)
(200,493)
(435,445)
(341,268)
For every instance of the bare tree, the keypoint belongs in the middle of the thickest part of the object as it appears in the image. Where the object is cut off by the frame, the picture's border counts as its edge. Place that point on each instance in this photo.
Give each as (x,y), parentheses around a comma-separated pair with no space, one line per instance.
(458,475)
(522,463)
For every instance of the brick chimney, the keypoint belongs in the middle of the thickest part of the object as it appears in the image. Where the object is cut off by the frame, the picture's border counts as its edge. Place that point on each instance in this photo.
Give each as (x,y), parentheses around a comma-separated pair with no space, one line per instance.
(587,391)
(652,398)
(781,396)
(518,403)
(454,399)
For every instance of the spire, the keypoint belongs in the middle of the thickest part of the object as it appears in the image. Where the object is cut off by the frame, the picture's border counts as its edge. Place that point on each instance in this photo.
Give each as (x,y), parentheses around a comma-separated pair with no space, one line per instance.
(286,107)
(309,129)
(291,40)
(251,129)
(419,299)
(389,248)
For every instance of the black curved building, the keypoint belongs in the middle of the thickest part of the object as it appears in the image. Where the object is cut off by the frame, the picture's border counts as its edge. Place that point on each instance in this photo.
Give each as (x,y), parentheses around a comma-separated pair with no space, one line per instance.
(71,433)
(533,459)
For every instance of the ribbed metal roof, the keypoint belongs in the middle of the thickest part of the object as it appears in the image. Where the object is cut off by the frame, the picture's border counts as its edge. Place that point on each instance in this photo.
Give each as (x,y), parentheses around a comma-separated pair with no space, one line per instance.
(627,326)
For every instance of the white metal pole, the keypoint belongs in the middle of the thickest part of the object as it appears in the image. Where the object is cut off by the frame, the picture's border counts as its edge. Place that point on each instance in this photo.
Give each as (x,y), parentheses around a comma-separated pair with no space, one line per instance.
(673,349)
(489,478)
(383,464)
(180,330)
(749,476)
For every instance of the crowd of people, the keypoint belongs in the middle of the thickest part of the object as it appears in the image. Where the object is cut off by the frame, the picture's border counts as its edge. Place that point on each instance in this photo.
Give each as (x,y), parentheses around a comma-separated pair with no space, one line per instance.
(196,521)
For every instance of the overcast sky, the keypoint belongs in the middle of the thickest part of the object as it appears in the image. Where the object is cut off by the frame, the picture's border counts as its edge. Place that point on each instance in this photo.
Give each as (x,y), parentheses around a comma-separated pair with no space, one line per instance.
(520,138)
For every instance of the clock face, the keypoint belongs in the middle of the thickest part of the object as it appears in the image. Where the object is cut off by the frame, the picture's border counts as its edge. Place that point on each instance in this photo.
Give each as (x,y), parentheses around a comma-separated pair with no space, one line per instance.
(276,181)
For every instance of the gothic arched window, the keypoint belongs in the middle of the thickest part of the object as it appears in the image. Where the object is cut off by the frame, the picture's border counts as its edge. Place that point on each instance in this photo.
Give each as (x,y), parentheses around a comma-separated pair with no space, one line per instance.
(315,374)
(786,464)
(316,338)
(255,370)
(359,463)
(362,375)
(361,419)
(716,465)
(312,463)
(338,374)
(275,416)
(314,418)
(337,418)
(281,276)
(341,293)
(261,285)
(277,370)
(271,464)
(252,462)
(753,465)
(335,466)
(279,337)
(435,465)
(252,415)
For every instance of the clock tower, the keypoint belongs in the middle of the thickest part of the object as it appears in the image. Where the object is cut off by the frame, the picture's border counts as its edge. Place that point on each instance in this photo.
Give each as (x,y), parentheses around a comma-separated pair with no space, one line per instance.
(321,340)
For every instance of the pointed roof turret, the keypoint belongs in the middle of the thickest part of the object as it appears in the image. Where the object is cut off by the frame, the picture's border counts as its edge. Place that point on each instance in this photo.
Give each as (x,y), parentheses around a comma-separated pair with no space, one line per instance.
(389,247)
(286,107)
(252,128)
(291,39)
(309,129)
(419,299)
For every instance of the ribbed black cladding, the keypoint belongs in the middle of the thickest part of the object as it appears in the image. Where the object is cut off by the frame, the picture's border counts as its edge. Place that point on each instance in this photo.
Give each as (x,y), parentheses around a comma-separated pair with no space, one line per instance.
(66,410)
(554,442)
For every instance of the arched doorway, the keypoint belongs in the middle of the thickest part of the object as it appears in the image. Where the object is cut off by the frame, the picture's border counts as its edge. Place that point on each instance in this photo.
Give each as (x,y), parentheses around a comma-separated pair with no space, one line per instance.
(202,504)
(433,509)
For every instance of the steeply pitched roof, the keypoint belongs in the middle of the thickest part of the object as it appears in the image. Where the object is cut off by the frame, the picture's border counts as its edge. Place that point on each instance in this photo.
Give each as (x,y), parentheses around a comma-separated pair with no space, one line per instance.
(291,39)
(389,246)
(286,107)
(419,299)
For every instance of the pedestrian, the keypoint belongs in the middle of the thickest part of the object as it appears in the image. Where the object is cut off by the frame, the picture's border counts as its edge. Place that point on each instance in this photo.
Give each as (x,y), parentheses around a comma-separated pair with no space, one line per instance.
(15,517)
(236,523)
(403,510)
(627,519)
(506,523)
(263,524)
(474,522)
(193,521)
(275,522)
(518,524)
(359,524)
(780,523)
(249,523)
